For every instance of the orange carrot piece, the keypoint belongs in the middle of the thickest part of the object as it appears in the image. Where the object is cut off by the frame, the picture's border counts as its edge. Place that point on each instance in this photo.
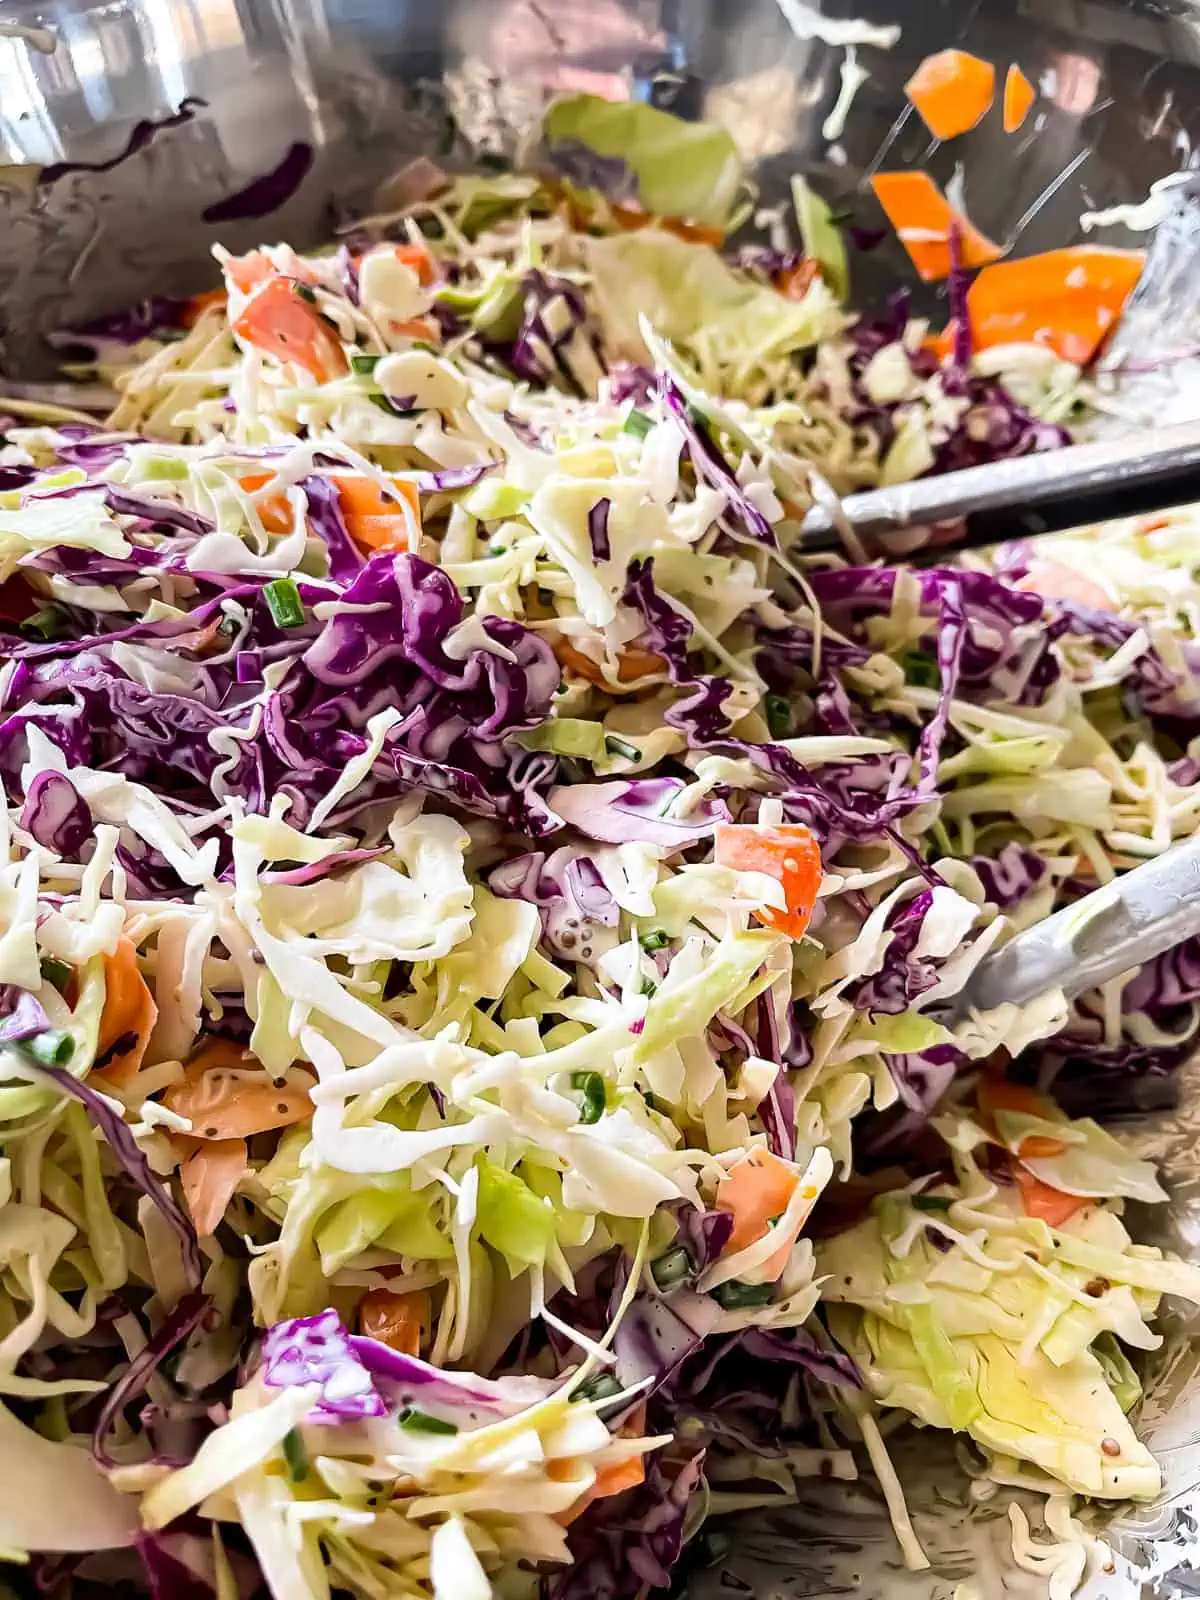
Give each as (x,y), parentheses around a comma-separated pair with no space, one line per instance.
(373,519)
(221,1105)
(209,1177)
(278,320)
(633,663)
(1069,300)
(1019,95)
(1051,1206)
(757,1190)
(923,217)
(998,1094)
(952,91)
(787,852)
(794,283)
(128,1016)
(274,513)
(246,272)
(612,1480)
(395,1319)
(418,258)
(195,308)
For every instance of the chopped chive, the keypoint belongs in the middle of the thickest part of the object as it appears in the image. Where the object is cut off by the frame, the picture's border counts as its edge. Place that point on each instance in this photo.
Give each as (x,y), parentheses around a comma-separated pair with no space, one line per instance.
(779,716)
(735,1296)
(619,747)
(364,365)
(598,1389)
(56,972)
(653,941)
(921,669)
(637,422)
(671,1268)
(44,624)
(421,1422)
(295,1455)
(53,1047)
(595,1097)
(284,603)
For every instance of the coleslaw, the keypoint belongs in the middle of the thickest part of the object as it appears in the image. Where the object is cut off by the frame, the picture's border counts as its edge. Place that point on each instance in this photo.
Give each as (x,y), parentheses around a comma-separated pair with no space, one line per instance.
(476,904)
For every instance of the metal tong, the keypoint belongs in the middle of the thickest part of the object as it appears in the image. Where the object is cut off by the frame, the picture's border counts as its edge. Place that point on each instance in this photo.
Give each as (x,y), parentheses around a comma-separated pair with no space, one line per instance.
(1020,498)
(1138,916)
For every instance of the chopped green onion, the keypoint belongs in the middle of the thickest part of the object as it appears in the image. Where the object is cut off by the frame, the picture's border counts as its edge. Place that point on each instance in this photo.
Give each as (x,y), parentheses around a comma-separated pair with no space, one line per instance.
(56,972)
(295,1455)
(598,1389)
(921,669)
(44,624)
(364,365)
(779,716)
(930,1202)
(53,1047)
(306,292)
(284,603)
(653,941)
(595,1097)
(637,422)
(619,747)
(421,1422)
(649,987)
(672,1267)
(735,1296)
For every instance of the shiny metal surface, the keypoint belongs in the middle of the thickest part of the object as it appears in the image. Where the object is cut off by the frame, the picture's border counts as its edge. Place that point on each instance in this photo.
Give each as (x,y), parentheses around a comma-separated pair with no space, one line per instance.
(1140,915)
(133,132)
(201,98)
(1026,495)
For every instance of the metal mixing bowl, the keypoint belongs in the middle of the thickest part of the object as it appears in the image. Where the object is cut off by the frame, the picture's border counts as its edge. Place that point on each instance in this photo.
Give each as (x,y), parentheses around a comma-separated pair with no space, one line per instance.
(136,133)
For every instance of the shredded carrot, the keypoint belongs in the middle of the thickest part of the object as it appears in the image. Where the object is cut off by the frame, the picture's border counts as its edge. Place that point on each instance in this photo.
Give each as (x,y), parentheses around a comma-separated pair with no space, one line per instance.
(787,852)
(395,1319)
(756,1191)
(247,272)
(1019,95)
(1057,581)
(128,1016)
(221,1104)
(794,283)
(280,321)
(1051,1206)
(952,91)
(418,259)
(1069,300)
(633,663)
(195,308)
(209,1178)
(629,217)
(423,329)
(612,1480)
(274,512)
(923,217)
(373,519)
(996,1093)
